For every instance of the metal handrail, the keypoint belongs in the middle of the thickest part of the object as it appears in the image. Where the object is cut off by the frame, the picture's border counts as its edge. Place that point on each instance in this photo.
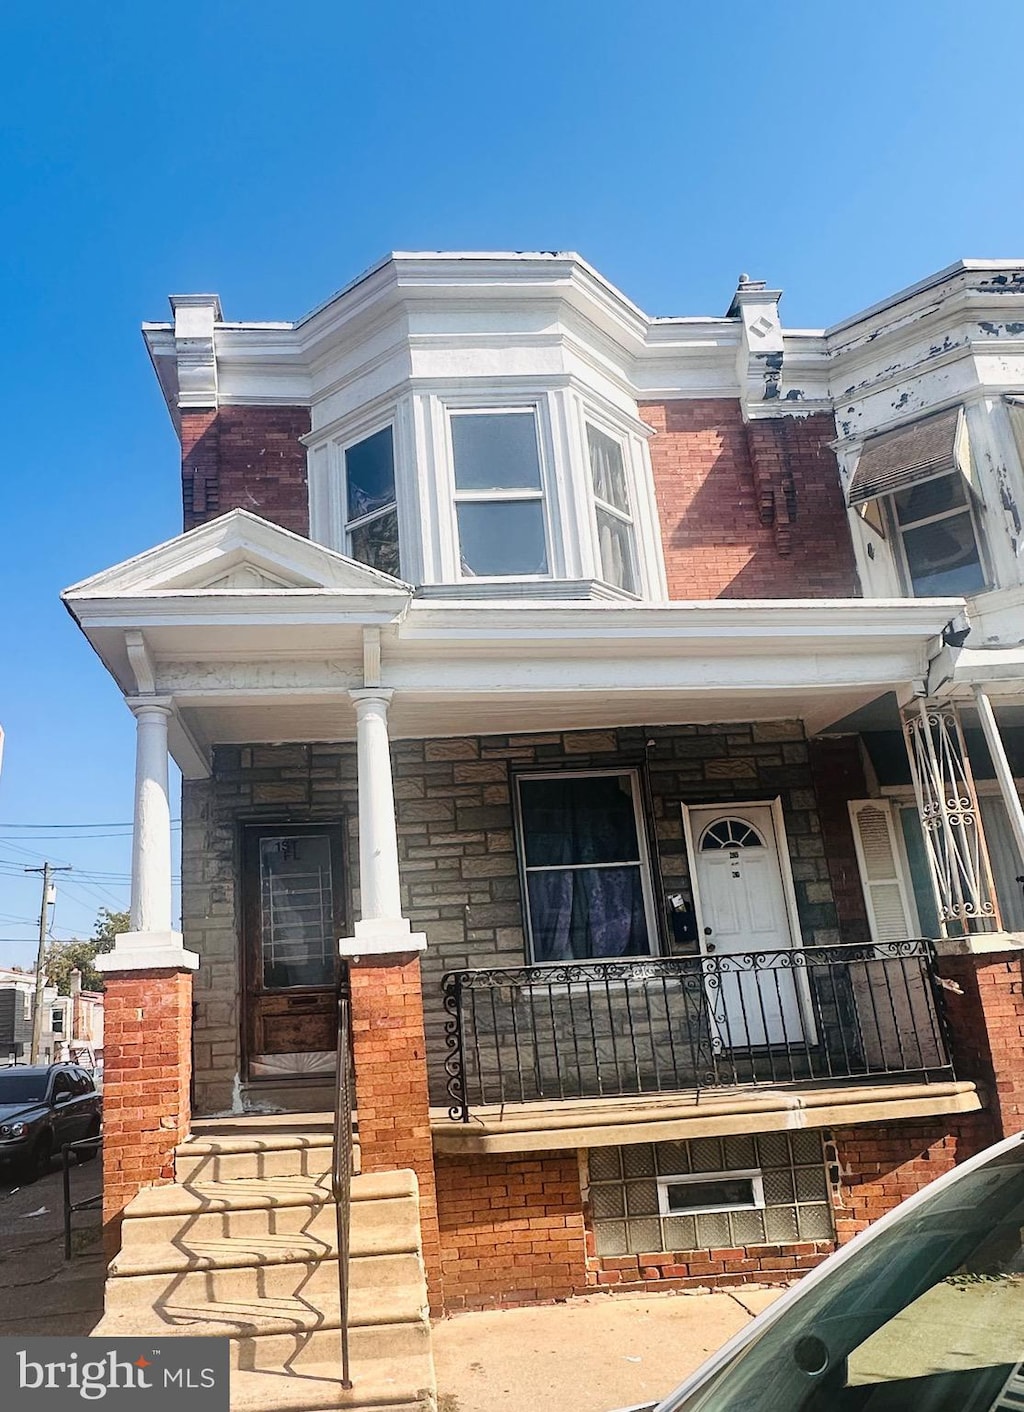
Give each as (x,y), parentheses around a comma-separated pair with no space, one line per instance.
(341,1172)
(92,1203)
(633,1025)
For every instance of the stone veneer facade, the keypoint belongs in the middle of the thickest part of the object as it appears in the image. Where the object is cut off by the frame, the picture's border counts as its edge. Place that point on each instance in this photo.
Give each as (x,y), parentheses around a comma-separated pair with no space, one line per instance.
(460,871)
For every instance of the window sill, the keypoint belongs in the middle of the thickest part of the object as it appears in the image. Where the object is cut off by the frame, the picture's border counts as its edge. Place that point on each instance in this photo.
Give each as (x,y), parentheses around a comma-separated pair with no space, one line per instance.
(579,590)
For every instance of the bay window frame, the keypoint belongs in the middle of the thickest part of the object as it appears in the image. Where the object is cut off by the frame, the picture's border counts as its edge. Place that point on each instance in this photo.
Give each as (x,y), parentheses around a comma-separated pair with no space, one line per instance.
(598,504)
(544,494)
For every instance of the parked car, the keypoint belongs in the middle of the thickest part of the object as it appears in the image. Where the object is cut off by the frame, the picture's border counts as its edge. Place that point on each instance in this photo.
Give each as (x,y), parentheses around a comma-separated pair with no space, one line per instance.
(922,1312)
(43,1108)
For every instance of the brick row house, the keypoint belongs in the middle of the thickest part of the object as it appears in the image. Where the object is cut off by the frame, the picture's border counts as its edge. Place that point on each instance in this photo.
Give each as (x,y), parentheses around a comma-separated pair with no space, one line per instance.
(626,713)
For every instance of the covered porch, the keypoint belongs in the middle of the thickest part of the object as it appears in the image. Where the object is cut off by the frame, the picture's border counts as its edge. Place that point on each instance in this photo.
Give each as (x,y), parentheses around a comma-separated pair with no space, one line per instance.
(597,824)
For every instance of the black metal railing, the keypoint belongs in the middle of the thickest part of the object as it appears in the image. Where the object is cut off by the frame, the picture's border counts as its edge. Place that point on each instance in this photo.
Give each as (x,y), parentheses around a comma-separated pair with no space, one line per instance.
(85,1150)
(592,1029)
(341,1171)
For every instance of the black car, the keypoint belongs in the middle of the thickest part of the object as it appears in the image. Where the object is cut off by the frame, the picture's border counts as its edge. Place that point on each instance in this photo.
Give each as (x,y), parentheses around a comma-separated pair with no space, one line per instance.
(43,1108)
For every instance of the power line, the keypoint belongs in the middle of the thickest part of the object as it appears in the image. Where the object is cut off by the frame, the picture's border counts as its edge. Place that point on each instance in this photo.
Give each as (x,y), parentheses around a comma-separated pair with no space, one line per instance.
(121,825)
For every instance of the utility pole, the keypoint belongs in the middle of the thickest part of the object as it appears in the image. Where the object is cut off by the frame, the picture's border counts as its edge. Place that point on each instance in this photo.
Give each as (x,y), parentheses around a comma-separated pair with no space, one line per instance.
(47,871)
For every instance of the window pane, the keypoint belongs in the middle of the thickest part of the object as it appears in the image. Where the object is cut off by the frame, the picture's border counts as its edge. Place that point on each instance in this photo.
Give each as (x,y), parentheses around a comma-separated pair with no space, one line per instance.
(932,497)
(726,1191)
(615,538)
(943,558)
(587,912)
(376,543)
(496,451)
(578,819)
(296,911)
(370,474)
(502,537)
(607,470)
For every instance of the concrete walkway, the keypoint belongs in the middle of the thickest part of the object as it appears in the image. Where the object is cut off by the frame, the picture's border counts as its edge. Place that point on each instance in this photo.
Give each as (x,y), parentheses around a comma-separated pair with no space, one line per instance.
(591,1354)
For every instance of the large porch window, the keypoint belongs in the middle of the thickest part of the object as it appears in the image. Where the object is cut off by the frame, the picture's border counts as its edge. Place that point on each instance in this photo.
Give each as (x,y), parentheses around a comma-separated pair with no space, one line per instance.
(585,864)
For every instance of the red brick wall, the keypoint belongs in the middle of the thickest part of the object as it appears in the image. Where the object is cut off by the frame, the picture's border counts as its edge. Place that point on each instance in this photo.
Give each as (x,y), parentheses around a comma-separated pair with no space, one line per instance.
(390,1055)
(246,458)
(748,512)
(838,774)
(147,1066)
(880,1164)
(511,1229)
(986,1023)
(699,1269)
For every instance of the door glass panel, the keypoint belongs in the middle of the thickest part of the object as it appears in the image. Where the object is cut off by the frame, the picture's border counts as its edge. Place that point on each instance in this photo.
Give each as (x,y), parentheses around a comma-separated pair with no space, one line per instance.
(296,911)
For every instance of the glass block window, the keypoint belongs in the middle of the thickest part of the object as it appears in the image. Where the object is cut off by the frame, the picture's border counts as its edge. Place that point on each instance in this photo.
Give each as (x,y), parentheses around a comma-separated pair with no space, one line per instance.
(766,1189)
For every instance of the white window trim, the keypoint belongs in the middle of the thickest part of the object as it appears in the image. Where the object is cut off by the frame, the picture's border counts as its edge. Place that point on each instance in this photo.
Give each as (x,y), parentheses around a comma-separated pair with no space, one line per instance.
(752,1174)
(595,502)
(644,860)
(522,406)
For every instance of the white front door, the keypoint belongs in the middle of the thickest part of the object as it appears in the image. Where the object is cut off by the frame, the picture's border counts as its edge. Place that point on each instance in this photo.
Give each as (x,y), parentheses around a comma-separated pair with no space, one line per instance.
(742,908)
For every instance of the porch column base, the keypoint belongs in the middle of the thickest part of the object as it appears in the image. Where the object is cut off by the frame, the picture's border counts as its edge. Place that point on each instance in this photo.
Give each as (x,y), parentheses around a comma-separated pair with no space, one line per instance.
(381,936)
(148,951)
(392,1094)
(147,1071)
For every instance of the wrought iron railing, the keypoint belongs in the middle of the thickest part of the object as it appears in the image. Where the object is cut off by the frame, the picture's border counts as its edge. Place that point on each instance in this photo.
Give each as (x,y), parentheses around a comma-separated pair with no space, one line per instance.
(592,1029)
(341,1171)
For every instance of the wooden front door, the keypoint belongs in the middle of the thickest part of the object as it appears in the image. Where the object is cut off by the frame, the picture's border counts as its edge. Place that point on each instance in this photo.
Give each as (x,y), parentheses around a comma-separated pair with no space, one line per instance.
(292,919)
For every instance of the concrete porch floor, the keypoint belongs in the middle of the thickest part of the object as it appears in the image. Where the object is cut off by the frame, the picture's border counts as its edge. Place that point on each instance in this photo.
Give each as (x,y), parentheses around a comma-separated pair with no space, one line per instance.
(591,1354)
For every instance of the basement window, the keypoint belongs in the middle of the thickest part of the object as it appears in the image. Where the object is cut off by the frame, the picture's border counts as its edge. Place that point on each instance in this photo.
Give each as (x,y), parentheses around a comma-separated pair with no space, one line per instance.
(711,1191)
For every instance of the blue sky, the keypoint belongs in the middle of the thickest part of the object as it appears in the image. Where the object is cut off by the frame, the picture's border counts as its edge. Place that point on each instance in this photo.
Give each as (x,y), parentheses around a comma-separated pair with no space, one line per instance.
(271,152)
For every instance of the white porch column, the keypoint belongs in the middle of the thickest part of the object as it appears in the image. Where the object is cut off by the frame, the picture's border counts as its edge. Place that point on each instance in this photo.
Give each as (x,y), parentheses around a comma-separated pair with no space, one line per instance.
(381,927)
(151,943)
(151,837)
(1007,786)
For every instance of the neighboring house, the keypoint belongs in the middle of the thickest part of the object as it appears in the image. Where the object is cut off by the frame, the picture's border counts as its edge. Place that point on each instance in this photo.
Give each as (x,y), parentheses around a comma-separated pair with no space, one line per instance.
(544,653)
(17,998)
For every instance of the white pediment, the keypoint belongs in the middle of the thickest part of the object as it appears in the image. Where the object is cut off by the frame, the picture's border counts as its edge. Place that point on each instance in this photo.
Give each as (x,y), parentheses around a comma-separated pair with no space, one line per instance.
(236,555)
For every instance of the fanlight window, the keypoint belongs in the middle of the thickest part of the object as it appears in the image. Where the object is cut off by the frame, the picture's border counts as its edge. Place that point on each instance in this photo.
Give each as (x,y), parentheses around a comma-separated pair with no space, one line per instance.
(730,833)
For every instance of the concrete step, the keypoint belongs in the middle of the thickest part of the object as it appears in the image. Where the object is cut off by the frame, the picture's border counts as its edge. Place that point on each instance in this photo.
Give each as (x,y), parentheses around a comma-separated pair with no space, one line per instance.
(255,1158)
(188,1220)
(268,1336)
(382,1288)
(401,1385)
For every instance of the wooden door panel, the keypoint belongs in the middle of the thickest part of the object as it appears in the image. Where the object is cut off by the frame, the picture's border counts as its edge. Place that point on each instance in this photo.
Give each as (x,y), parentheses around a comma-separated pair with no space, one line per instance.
(292,918)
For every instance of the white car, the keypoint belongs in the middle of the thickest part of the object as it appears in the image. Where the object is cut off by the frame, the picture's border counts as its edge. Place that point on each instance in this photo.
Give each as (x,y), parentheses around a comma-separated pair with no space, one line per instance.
(923,1312)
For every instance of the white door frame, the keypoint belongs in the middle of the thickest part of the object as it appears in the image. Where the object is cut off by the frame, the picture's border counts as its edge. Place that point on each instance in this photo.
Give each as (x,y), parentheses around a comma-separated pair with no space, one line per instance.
(803,989)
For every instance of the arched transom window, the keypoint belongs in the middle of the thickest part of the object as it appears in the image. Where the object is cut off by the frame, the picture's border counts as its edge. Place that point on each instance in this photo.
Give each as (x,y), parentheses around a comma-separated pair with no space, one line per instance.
(730,833)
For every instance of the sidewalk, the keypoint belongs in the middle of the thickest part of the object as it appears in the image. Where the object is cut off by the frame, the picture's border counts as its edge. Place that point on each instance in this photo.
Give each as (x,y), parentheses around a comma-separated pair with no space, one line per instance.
(592,1354)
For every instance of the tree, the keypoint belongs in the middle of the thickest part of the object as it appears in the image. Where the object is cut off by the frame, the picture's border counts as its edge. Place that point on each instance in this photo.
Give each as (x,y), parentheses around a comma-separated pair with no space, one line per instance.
(63,957)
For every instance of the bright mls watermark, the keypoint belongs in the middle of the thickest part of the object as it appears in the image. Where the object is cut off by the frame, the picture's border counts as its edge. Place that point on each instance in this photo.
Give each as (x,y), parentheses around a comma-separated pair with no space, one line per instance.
(151,1375)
